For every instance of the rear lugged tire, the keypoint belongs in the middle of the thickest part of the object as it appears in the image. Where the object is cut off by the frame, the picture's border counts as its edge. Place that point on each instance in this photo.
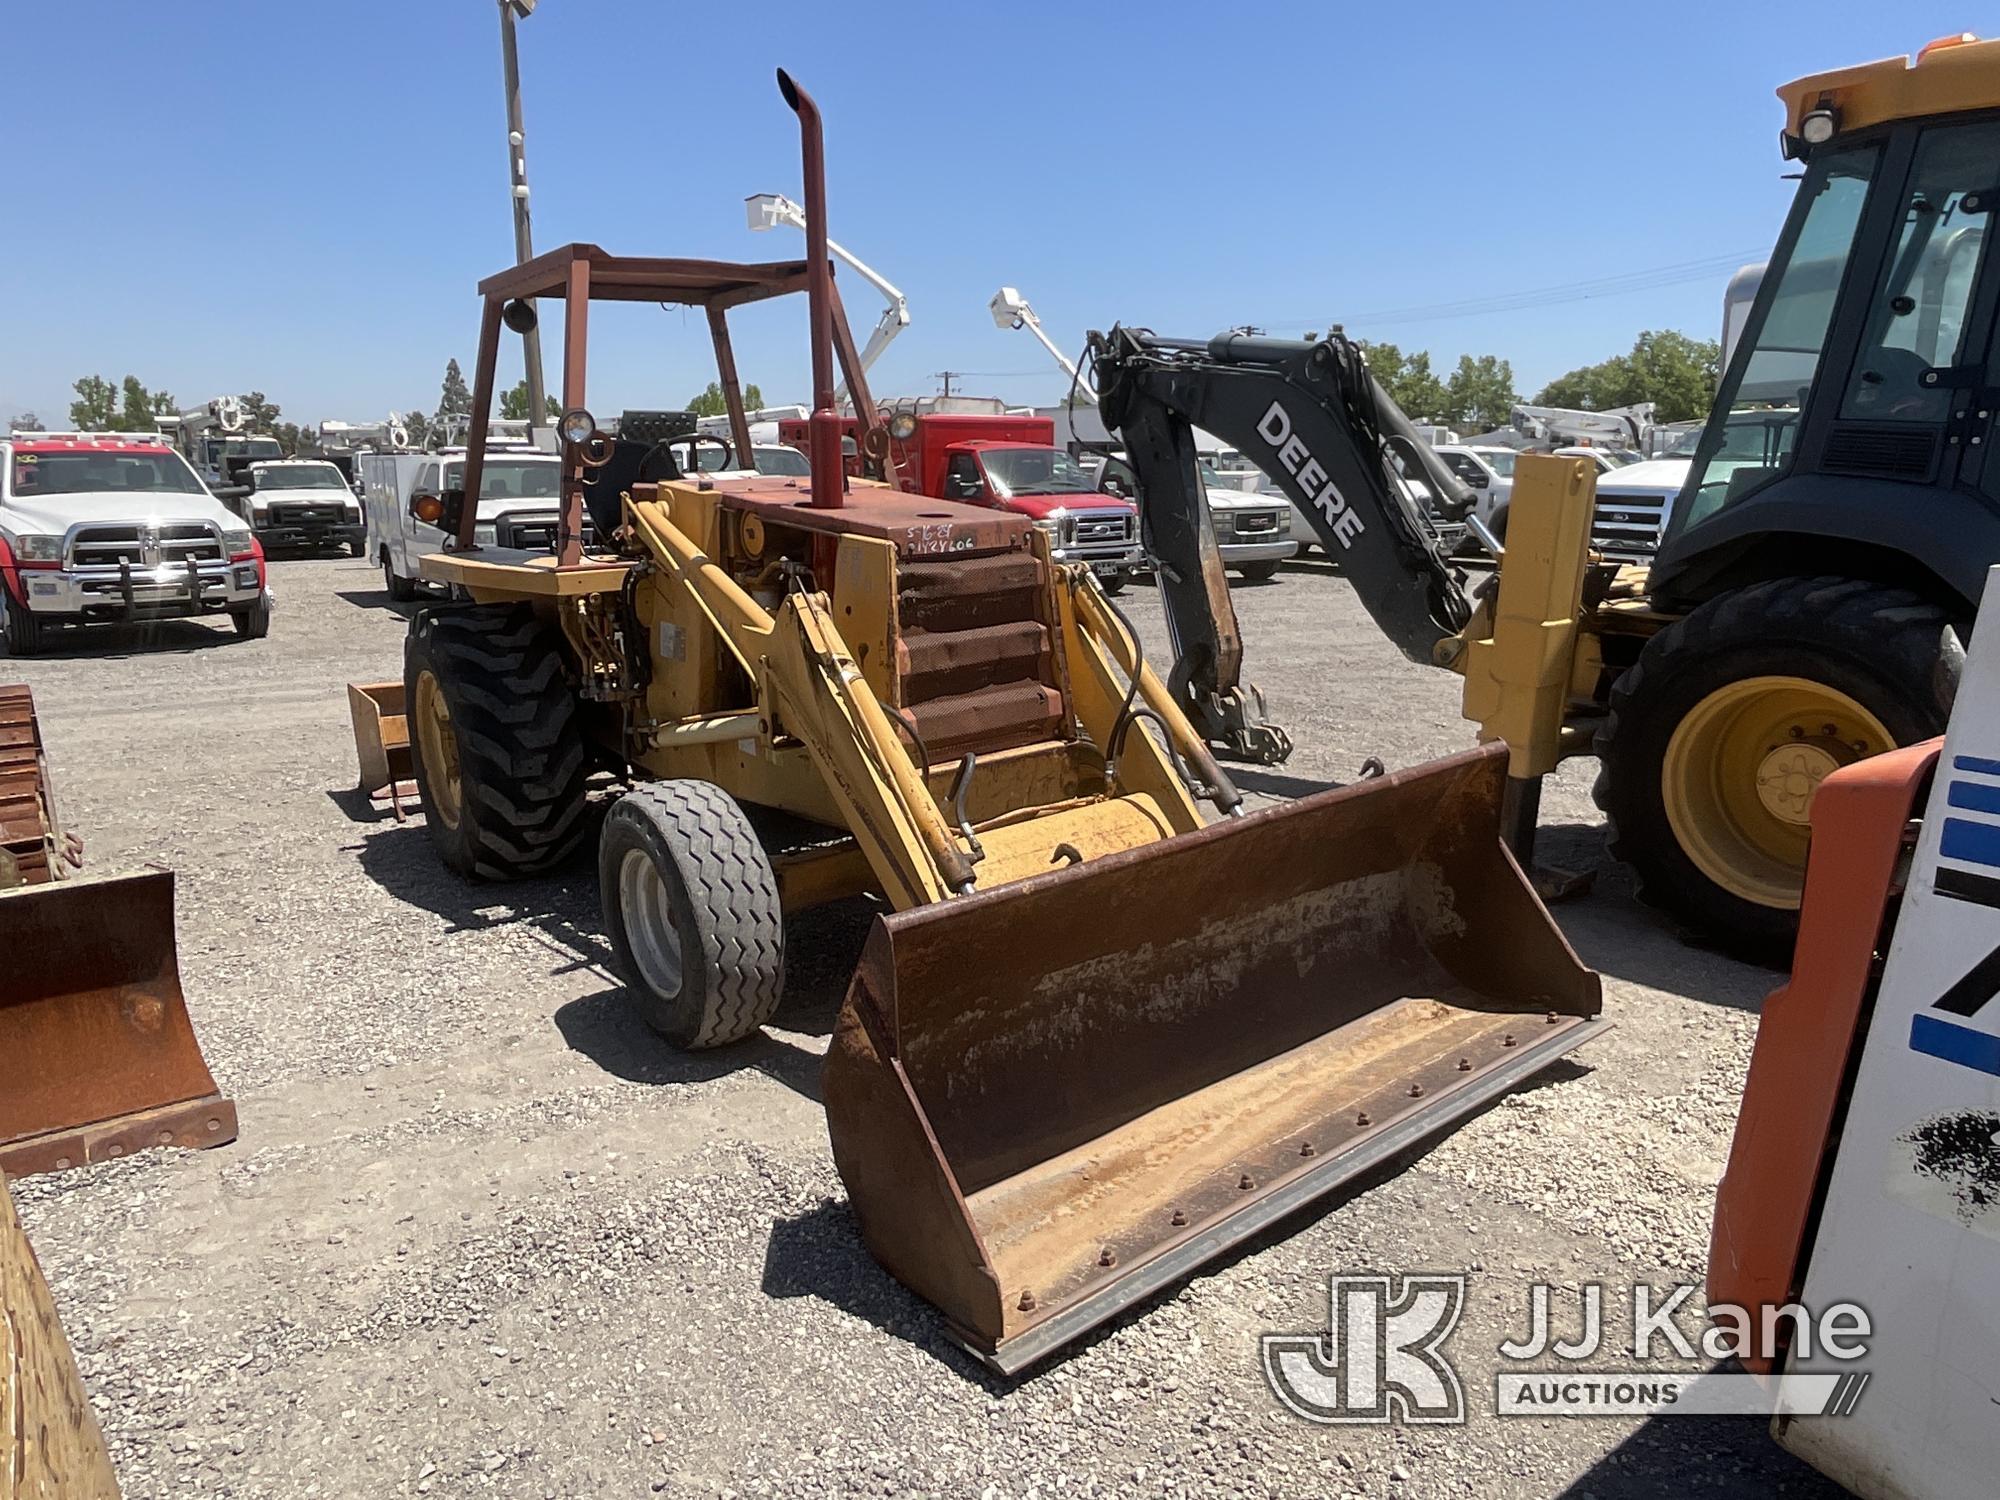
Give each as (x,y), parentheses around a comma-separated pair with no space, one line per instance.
(499,750)
(691,903)
(1719,733)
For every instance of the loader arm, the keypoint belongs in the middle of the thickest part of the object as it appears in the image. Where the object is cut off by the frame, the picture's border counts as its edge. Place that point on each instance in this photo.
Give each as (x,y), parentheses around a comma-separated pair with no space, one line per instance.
(1311,416)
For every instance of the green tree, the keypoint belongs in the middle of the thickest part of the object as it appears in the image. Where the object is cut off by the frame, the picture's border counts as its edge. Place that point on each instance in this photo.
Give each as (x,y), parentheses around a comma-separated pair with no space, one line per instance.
(126,407)
(454,398)
(514,403)
(711,404)
(1406,378)
(259,414)
(1674,372)
(139,407)
(418,426)
(96,405)
(27,421)
(1480,392)
(287,434)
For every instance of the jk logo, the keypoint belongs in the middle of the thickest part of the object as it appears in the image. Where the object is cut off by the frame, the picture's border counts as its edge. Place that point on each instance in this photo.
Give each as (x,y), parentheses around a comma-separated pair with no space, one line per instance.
(1378,1361)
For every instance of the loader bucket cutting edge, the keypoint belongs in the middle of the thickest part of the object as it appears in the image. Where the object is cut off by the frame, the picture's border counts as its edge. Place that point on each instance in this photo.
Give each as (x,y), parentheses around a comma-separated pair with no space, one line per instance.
(101,1056)
(1051,1100)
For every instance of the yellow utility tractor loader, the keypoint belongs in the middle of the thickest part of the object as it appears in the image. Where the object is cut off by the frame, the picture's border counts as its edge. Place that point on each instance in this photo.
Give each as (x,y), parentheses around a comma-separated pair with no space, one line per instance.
(1096,1039)
(100,1056)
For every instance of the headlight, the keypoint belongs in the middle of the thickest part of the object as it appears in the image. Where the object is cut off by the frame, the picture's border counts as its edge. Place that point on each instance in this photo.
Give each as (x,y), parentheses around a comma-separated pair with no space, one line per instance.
(485,536)
(38,548)
(903,426)
(577,425)
(237,540)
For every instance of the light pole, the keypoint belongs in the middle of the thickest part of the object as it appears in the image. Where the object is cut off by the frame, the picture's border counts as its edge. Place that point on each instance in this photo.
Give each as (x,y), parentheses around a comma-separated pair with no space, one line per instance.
(517,172)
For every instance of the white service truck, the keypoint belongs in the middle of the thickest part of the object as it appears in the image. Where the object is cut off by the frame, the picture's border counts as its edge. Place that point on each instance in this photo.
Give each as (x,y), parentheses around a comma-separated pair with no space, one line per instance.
(520,501)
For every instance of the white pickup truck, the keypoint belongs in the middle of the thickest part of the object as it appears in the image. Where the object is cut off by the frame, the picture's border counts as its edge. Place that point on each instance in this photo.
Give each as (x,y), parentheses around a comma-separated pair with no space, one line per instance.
(299,502)
(116,526)
(519,505)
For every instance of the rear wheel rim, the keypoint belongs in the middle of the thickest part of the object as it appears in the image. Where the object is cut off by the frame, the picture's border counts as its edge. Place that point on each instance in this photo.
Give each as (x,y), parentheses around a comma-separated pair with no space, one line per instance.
(1741,772)
(438,744)
(647,910)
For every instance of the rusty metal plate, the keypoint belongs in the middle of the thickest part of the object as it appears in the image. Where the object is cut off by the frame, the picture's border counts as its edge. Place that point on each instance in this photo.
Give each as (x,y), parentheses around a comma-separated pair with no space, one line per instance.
(1049,1099)
(920,526)
(102,1057)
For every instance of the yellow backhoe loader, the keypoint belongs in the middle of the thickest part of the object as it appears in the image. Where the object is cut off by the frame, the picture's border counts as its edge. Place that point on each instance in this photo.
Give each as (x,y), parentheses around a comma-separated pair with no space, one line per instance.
(1809,587)
(1097,1038)
(100,1056)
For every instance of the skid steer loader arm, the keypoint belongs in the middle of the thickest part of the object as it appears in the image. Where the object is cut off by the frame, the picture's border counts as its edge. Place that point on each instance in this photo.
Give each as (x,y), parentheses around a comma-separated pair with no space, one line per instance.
(1052,1099)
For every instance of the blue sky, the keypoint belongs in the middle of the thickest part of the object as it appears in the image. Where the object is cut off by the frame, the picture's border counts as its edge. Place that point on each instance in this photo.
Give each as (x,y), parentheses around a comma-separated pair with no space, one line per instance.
(299,198)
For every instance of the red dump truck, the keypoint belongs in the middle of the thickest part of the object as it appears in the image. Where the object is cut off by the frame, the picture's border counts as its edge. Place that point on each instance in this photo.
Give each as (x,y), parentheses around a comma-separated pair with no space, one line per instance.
(1010,463)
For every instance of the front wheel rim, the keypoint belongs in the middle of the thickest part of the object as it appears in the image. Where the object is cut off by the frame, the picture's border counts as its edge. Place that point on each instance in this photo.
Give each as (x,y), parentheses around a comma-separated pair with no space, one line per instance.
(1741,772)
(437,743)
(647,910)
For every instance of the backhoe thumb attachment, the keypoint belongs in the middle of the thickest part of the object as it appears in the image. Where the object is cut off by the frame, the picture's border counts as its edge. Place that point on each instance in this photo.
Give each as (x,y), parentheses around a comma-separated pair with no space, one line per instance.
(1050,1100)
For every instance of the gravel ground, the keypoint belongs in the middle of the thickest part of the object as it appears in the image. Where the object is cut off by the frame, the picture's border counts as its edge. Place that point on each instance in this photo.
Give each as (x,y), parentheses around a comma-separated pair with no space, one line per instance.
(482,1234)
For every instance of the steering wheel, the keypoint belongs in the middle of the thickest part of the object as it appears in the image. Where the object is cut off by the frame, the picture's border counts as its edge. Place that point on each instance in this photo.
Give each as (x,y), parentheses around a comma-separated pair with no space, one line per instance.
(693,465)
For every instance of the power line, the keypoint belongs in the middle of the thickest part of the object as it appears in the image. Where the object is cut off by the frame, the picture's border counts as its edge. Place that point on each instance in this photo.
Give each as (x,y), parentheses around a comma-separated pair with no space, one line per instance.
(1559,295)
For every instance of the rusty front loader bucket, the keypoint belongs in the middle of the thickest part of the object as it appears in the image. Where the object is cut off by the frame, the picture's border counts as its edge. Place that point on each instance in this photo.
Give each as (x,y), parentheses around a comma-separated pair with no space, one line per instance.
(100,1058)
(1051,1100)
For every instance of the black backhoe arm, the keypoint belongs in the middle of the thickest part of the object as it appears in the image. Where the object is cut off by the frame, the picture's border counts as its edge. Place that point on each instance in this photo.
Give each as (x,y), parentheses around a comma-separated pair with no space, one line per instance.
(1311,416)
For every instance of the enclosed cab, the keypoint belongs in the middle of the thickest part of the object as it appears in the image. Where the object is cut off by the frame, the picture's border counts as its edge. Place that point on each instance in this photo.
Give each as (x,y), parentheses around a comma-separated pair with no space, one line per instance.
(116,526)
(299,503)
(518,504)
(1011,463)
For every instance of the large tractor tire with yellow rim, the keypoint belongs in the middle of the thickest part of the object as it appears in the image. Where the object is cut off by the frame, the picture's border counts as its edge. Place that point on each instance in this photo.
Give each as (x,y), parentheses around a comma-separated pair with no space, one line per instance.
(1721,732)
(499,749)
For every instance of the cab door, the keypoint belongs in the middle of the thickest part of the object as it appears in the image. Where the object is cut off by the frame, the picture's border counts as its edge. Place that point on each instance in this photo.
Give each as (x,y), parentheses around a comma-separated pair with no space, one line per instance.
(1916,398)
(964,481)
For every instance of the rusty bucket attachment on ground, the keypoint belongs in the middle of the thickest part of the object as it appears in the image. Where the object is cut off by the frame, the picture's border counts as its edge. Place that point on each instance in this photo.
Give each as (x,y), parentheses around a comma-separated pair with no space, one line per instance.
(100,1056)
(1051,1100)
(382,743)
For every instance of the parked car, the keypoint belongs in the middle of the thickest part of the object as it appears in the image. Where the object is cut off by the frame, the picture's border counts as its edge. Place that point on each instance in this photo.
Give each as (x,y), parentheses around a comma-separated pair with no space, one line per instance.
(116,526)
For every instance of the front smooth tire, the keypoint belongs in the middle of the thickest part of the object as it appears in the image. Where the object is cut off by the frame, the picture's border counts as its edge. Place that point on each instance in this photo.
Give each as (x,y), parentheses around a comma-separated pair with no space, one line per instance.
(691,903)
(253,621)
(25,634)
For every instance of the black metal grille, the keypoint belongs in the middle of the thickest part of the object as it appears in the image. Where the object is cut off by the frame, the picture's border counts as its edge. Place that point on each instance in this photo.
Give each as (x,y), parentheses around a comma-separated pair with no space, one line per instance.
(1893,452)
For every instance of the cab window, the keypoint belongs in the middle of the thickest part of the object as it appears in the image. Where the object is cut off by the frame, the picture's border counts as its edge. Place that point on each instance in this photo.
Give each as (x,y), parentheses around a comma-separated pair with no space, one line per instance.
(1916,319)
(962,480)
